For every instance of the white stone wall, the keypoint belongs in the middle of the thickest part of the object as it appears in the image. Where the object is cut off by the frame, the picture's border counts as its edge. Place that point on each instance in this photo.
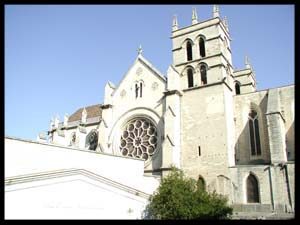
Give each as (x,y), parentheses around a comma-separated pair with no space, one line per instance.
(71,197)
(24,157)
(203,123)
(125,105)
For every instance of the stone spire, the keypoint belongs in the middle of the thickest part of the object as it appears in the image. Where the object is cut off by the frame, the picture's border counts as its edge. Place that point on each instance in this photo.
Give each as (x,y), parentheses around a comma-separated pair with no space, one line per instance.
(216,11)
(83,115)
(225,21)
(194,16)
(56,121)
(66,118)
(52,123)
(140,50)
(175,23)
(247,63)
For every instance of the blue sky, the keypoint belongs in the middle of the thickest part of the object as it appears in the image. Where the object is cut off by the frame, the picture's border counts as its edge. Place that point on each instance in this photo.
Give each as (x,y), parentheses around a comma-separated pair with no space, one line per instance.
(58,58)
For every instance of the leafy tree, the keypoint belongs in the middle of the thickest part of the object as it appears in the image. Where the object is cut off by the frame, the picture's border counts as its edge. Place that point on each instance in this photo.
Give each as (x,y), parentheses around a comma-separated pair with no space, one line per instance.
(179,197)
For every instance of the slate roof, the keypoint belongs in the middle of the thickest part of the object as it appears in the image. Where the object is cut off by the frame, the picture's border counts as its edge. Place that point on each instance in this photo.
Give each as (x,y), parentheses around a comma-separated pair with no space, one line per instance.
(92,111)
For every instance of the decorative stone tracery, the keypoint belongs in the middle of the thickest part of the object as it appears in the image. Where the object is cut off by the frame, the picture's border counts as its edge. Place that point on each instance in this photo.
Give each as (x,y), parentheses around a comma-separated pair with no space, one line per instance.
(139,139)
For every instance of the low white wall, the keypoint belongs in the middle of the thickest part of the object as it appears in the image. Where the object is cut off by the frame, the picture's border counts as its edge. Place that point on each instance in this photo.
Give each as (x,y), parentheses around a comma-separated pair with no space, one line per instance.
(24,158)
(71,197)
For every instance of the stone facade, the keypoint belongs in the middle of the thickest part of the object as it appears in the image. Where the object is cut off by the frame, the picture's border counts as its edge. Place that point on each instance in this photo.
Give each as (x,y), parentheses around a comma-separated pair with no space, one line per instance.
(209,120)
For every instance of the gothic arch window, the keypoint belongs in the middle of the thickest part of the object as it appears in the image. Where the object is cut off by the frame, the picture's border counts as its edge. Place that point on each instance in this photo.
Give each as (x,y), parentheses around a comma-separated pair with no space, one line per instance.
(203,74)
(73,139)
(202,47)
(189,51)
(92,140)
(190,77)
(252,189)
(201,183)
(138,89)
(254,133)
(141,89)
(237,88)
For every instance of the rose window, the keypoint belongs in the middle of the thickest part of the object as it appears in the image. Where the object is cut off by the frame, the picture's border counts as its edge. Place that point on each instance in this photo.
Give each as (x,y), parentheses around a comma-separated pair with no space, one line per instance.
(139,139)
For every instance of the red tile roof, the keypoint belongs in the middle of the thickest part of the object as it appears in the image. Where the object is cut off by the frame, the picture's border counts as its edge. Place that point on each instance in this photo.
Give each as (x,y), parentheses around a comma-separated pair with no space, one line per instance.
(92,111)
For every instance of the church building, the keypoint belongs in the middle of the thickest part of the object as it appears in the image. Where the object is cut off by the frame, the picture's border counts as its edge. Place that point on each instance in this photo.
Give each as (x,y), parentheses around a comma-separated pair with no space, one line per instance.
(203,116)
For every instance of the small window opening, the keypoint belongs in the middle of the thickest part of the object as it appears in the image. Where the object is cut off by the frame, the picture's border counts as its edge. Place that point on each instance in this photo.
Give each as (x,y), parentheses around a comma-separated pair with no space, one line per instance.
(141,89)
(190,78)
(237,89)
(189,51)
(203,74)
(199,150)
(136,90)
(202,47)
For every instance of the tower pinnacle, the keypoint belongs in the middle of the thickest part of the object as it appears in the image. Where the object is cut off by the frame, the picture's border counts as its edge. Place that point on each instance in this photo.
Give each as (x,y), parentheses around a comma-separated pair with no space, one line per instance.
(140,50)
(175,23)
(225,21)
(194,16)
(216,11)
(247,63)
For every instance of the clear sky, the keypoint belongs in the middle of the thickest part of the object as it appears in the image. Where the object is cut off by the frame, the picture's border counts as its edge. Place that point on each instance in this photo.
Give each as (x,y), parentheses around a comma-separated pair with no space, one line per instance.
(58,58)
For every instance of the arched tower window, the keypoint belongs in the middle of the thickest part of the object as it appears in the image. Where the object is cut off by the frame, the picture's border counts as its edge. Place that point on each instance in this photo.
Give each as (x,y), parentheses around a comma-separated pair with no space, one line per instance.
(201,183)
(237,88)
(252,189)
(190,77)
(254,133)
(203,74)
(202,47)
(189,51)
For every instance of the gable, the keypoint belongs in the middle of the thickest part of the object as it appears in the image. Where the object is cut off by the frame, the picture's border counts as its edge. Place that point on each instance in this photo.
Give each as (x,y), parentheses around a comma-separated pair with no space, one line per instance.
(141,71)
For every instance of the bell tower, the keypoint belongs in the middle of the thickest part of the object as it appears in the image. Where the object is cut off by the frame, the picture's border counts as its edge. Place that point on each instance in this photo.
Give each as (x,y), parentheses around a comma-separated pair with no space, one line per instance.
(203,49)
(200,99)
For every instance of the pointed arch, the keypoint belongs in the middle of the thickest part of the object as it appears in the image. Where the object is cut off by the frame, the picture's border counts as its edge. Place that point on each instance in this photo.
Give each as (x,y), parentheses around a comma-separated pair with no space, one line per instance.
(136,90)
(138,87)
(141,89)
(190,77)
(201,183)
(189,50)
(252,188)
(73,139)
(91,140)
(203,73)
(254,132)
(202,47)
(237,87)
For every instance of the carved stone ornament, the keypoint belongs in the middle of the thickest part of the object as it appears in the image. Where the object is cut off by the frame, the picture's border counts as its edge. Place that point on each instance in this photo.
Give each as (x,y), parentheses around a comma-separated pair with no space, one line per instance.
(123,93)
(139,71)
(154,86)
(139,139)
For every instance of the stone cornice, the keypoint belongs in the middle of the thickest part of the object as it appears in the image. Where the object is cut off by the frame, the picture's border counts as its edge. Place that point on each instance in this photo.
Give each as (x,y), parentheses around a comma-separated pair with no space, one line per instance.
(208,85)
(204,58)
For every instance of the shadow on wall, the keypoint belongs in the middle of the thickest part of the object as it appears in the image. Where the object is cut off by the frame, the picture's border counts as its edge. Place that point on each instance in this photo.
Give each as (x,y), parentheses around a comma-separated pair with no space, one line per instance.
(243,155)
(290,143)
(157,162)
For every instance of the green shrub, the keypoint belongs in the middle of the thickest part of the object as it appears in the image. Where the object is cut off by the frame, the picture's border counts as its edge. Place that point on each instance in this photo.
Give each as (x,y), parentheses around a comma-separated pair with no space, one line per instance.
(179,197)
